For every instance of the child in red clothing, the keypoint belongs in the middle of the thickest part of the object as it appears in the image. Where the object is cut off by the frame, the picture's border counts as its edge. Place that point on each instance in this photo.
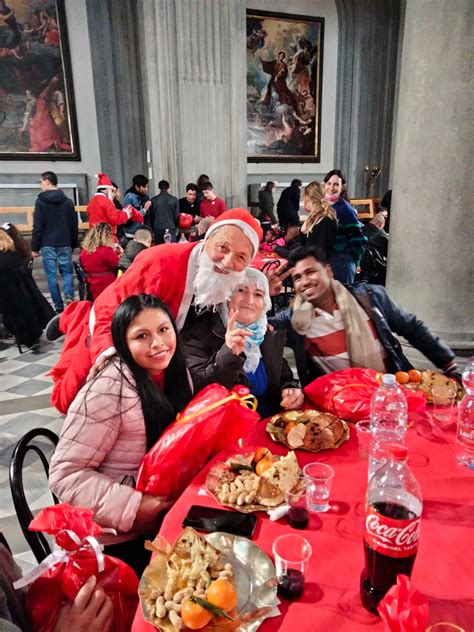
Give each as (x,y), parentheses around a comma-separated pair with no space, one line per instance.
(99,258)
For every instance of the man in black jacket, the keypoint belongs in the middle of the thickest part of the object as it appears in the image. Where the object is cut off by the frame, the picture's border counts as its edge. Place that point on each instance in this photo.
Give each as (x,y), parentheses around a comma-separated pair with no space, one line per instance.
(55,236)
(332,327)
(289,205)
(163,214)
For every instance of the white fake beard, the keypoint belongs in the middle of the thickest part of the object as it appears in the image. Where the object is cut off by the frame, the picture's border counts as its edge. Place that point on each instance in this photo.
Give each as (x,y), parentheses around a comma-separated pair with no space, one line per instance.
(211,287)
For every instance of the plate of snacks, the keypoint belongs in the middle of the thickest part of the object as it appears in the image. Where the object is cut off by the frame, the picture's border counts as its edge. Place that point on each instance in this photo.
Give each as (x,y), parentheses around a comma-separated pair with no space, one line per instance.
(219,582)
(309,430)
(255,481)
(426,380)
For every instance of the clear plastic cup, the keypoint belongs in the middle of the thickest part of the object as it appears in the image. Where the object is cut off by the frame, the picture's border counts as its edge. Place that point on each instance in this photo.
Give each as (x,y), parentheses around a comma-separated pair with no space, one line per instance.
(318,478)
(298,515)
(363,437)
(444,406)
(292,553)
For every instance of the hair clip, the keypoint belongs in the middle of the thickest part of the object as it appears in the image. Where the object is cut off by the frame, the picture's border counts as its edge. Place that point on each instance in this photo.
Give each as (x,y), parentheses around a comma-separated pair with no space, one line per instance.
(6,225)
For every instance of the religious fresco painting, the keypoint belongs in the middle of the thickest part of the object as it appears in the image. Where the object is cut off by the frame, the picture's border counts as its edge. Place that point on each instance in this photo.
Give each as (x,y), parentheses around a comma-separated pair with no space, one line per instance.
(284,76)
(37,115)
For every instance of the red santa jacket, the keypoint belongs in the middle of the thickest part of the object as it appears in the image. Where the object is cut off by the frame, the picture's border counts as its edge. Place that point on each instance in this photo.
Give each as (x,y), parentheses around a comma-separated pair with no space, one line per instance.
(102,209)
(160,270)
(100,268)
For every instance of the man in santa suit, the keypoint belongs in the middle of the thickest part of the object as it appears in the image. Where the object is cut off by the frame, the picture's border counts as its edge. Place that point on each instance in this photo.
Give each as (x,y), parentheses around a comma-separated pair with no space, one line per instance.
(102,209)
(200,274)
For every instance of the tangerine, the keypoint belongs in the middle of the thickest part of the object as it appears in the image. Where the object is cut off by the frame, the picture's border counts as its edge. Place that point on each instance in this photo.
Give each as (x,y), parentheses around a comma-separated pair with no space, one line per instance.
(222,593)
(414,375)
(263,465)
(289,426)
(402,377)
(261,453)
(194,616)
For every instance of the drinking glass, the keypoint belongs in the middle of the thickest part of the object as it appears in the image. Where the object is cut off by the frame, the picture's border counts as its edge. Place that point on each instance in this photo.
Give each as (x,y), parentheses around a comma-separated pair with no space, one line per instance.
(291,553)
(298,516)
(444,402)
(363,437)
(318,478)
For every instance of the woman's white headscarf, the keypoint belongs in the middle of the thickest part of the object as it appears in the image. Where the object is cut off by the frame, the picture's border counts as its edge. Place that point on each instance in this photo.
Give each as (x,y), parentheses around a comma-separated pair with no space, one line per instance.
(258,329)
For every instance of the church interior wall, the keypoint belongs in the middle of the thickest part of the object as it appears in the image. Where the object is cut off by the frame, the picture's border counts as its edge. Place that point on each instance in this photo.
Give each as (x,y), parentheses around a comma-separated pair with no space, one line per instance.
(285,172)
(82,171)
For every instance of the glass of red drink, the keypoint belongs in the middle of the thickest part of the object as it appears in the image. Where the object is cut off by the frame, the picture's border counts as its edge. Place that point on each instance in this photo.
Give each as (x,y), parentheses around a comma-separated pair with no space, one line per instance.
(298,514)
(292,553)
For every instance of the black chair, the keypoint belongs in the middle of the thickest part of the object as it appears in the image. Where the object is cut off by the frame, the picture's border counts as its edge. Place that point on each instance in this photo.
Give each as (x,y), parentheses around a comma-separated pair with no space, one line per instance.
(83,286)
(38,543)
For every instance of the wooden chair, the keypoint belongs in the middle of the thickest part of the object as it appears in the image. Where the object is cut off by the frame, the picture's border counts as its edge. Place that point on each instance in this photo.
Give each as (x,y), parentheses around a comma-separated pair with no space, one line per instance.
(38,543)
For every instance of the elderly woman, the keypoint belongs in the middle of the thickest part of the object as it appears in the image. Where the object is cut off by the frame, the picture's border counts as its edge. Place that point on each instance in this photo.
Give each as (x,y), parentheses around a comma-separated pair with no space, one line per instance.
(233,346)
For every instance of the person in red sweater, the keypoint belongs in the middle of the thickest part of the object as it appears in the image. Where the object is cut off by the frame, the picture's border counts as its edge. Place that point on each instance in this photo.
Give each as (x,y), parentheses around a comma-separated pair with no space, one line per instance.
(102,209)
(211,206)
(99,258)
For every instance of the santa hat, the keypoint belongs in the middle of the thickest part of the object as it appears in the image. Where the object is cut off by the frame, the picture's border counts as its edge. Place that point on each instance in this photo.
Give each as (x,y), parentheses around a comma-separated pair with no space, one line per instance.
(243,219)
(103,180)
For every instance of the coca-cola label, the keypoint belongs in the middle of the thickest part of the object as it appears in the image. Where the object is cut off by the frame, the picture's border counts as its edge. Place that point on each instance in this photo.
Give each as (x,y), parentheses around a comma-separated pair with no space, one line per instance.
(395,538)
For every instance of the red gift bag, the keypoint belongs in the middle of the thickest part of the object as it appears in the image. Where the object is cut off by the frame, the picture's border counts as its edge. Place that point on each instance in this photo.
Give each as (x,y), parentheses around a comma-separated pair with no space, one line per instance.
(76,557)
(213,419)
(347,394)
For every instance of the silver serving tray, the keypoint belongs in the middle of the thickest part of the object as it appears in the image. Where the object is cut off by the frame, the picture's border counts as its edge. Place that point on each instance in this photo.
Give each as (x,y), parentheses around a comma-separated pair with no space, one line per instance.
(254,579)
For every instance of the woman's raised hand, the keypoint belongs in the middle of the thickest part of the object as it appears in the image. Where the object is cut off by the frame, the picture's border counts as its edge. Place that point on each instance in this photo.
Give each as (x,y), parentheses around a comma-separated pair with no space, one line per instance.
(235,336)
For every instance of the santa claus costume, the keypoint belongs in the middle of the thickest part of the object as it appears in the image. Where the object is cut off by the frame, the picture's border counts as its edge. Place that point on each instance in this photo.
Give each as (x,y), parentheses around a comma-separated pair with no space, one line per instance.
(102,209)
(167,270)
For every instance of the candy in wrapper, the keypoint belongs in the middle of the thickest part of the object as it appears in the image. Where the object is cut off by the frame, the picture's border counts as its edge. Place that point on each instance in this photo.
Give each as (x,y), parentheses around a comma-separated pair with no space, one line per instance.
(404,609)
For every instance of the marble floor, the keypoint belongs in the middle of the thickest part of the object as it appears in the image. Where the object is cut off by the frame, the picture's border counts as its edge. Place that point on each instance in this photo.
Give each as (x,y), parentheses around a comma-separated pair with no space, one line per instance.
(24,404)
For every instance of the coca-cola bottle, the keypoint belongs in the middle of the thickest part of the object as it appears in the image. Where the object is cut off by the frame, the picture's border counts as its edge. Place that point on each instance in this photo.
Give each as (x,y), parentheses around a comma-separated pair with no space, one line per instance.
(392,526)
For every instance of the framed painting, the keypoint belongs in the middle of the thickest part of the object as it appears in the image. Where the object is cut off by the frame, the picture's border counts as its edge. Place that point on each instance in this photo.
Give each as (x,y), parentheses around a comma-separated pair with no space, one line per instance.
(37,114)
(284,78)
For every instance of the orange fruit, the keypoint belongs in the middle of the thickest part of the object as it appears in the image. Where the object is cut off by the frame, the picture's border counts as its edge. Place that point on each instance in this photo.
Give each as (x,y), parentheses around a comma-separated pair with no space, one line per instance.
(263,465)
(222,593)
(414,375)
(261,453)
(402,377)
(194,616)
(289,426)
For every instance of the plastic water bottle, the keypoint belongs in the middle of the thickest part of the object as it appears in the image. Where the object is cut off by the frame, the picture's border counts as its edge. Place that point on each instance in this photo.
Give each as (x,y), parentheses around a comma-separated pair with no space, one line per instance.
(167,236)
(388,420)
(182,239)
(465,433)
(392,526)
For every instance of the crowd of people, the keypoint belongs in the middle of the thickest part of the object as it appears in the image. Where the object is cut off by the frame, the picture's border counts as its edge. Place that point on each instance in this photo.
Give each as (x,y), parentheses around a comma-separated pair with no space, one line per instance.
(180,316)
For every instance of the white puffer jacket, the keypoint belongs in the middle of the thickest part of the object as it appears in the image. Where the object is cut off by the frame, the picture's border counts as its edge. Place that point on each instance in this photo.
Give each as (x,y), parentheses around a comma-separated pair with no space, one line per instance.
(102,441)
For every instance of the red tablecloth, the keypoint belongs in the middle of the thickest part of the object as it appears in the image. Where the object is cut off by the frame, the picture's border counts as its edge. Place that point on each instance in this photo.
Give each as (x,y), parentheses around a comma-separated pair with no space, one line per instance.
(444,569)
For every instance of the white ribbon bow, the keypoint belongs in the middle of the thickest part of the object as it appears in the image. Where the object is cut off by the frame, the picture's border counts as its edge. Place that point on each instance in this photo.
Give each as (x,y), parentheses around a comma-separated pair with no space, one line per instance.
(60,556)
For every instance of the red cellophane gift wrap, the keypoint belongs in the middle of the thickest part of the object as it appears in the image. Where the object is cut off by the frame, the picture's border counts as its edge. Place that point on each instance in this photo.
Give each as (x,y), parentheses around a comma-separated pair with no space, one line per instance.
(70,565)
(213,419)
(347,394)
(404,609)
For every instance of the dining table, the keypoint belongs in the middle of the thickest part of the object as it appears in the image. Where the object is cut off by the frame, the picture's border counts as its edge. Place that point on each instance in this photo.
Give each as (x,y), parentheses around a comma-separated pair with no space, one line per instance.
(444,566)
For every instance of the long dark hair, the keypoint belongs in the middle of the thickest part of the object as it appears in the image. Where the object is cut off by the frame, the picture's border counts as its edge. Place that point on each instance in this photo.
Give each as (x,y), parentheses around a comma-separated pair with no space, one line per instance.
(20,244)
(339,174)
(159,406)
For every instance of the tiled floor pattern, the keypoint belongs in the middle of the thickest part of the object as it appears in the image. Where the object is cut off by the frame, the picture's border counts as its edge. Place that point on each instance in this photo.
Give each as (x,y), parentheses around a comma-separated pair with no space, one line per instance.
(24,385)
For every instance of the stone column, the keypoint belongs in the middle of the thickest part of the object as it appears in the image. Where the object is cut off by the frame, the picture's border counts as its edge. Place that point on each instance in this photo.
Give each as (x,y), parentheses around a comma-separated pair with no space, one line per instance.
(431,250)
(195,64)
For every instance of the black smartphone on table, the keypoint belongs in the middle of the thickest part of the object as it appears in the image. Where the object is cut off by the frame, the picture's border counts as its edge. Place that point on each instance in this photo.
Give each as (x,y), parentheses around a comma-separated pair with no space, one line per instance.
(210,519)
